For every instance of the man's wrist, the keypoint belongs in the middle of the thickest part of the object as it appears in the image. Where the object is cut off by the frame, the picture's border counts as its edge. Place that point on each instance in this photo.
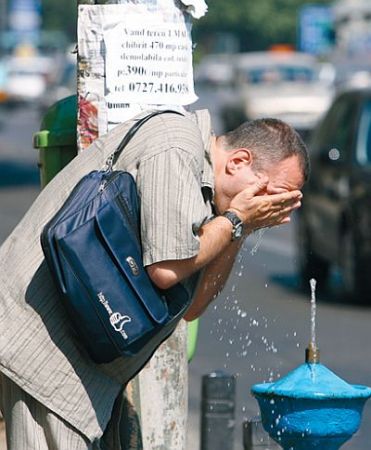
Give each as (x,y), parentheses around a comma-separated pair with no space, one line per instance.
(237,224)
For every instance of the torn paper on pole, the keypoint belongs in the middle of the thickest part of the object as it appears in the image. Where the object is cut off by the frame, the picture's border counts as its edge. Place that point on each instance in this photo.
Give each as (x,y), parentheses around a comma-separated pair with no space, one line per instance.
(196,8)
(132,57)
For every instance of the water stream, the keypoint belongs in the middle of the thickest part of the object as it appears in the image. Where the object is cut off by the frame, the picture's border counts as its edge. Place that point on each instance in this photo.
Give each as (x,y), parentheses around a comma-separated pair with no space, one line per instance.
(259,239)
(313,311)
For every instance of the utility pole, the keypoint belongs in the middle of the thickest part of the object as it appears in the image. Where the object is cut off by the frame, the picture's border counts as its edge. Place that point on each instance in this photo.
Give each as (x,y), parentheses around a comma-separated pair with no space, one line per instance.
(112,31)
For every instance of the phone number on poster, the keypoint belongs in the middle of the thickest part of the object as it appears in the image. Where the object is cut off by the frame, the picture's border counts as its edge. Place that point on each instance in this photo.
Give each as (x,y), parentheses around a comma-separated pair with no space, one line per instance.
(162,88)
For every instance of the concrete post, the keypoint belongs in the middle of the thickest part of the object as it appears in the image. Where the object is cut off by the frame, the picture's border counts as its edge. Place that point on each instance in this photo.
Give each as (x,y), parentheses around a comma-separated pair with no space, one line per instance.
(255,437)
(158,395)
(218,411)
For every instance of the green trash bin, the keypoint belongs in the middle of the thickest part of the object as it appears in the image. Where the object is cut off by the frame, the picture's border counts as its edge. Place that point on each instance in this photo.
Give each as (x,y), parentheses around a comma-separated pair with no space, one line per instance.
(57,138)
(192,333)
(57,145)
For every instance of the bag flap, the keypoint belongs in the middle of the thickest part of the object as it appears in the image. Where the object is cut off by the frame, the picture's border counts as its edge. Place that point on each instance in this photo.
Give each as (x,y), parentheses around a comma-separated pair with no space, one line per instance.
(125,248)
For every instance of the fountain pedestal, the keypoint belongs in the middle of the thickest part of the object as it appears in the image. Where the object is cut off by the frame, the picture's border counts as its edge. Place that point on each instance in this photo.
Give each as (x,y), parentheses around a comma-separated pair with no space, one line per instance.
(311,408)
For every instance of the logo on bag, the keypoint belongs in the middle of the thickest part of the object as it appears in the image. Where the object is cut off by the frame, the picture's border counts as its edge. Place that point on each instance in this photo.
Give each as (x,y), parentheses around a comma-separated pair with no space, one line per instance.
(117,320)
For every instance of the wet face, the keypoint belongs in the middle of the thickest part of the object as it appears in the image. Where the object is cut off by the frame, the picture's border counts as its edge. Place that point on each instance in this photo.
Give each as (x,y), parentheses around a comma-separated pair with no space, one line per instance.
(284,176)
(236,171)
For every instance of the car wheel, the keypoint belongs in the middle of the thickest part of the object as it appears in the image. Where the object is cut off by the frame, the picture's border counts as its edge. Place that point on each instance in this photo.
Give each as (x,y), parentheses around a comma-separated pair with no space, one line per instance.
(310,265)
(356,276)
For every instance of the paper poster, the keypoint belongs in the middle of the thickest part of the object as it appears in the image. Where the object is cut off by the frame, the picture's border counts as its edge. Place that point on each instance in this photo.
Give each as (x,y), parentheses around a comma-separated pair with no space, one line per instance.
(148,60)
(197,8)
(133,57)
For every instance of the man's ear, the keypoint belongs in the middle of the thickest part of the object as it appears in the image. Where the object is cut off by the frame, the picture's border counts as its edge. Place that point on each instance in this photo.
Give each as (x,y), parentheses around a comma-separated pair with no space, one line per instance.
(238,159)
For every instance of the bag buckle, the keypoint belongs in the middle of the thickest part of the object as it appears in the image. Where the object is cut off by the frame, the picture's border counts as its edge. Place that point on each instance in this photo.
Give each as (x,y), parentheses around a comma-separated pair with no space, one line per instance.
(109,163)
(133,265)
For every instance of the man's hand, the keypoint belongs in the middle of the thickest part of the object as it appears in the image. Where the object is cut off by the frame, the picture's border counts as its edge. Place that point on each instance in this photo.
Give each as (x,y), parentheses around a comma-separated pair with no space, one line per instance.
(259,210)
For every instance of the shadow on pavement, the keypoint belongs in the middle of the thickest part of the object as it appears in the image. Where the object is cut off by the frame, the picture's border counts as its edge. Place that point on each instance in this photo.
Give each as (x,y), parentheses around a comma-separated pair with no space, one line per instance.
(13,173)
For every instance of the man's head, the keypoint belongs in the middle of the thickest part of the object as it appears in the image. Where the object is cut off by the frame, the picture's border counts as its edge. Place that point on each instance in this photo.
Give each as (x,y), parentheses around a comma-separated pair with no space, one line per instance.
(267,147)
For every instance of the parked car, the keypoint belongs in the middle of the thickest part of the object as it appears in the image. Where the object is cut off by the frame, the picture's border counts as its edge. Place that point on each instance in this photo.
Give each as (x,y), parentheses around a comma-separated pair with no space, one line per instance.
(3,75)
(28,77)
(334,223)
(285,85)
(215,71)
(64,85)
(214,86)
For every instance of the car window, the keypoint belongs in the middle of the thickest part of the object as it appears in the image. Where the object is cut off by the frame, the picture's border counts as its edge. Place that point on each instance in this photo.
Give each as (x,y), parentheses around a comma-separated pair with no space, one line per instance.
(277,73)
(337,130)
(363,148)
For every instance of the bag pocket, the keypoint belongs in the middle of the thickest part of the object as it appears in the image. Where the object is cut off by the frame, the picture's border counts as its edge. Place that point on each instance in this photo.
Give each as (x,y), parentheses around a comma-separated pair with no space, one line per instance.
(111,302)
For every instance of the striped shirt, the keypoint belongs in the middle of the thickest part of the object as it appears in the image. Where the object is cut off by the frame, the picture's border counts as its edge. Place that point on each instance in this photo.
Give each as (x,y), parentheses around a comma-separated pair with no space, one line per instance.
(170,160)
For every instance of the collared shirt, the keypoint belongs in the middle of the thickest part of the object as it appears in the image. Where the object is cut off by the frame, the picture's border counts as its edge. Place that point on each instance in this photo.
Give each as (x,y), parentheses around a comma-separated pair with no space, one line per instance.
(37,349)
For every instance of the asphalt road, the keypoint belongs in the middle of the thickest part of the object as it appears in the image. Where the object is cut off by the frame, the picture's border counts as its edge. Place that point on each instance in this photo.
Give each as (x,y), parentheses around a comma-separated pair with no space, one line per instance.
(257,330)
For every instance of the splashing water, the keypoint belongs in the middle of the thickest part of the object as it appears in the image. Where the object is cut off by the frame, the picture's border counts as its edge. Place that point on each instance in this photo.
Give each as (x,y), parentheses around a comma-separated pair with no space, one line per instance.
(313,308)
(260,233)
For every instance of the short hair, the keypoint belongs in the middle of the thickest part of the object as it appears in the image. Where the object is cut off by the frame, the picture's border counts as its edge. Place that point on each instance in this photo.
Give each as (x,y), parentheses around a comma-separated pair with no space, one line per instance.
(270,141)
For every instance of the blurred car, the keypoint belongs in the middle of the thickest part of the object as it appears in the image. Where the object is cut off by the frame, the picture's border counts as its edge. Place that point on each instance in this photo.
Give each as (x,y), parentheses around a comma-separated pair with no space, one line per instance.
(27,78)
(334,222)
(3,75)
(286,85)
(64,85)
(214,86)
(214,71)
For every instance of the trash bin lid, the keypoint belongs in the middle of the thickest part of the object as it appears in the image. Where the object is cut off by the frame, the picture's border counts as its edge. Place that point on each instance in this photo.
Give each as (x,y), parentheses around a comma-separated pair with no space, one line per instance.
(58,127)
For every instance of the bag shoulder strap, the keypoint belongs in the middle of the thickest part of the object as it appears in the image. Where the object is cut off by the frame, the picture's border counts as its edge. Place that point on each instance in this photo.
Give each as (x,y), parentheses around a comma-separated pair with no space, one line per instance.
(111,160)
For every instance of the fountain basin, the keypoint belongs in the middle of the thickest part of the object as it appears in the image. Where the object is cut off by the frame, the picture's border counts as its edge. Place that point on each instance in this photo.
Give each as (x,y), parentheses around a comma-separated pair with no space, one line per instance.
(311,408)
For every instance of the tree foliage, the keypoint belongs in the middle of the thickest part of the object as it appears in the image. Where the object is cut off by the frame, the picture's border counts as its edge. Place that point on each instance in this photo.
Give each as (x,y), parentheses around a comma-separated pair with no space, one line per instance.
(60,15)
(257,24)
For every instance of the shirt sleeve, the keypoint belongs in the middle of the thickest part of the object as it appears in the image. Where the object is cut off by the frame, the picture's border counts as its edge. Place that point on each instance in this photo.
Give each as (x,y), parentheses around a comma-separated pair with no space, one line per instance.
(169,186)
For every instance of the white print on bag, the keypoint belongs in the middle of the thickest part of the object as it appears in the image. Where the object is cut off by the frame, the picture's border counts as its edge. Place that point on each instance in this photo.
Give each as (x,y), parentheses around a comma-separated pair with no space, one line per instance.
(116,319)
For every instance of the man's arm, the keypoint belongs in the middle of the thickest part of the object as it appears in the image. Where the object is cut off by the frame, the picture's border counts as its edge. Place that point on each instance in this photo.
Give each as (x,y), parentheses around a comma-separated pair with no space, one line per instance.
(217,253)
(213,279)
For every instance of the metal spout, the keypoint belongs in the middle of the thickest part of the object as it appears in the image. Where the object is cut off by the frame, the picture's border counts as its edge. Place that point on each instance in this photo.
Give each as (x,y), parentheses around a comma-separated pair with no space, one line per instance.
(312,354)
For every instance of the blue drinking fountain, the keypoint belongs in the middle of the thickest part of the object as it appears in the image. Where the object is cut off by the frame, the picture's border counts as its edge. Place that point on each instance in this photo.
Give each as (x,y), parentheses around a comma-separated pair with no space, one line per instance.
(311,407)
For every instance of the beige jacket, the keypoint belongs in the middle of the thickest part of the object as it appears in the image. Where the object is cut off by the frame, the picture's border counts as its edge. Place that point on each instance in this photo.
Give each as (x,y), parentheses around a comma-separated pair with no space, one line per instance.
(37,349)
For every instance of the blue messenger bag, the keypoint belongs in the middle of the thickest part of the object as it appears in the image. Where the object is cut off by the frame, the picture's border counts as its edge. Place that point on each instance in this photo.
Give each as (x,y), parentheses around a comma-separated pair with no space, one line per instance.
(93,249)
